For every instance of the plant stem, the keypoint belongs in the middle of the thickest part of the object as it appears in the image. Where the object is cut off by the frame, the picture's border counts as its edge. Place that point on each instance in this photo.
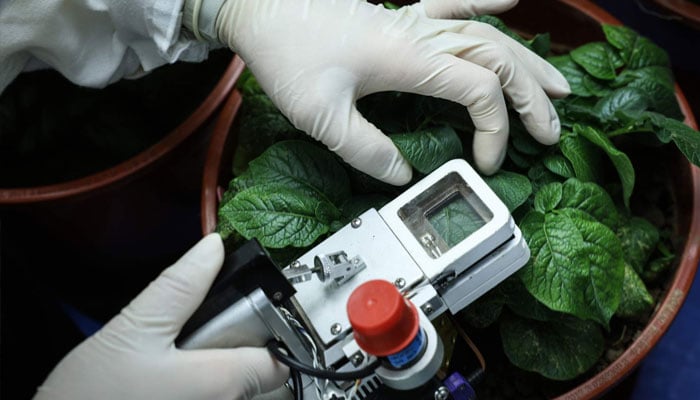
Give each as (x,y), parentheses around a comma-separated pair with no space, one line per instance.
(630,129)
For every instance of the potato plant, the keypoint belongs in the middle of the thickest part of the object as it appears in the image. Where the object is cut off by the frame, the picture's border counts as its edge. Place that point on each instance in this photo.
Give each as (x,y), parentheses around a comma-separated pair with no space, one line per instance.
(592,257)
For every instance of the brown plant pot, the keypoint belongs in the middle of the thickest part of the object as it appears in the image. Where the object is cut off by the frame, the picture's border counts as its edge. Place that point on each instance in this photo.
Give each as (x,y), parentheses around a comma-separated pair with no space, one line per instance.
(102,237)
(687,11)
(571,23)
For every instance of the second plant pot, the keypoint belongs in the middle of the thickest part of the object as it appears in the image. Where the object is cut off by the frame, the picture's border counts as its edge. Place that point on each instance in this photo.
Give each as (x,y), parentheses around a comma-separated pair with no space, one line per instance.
(100,238)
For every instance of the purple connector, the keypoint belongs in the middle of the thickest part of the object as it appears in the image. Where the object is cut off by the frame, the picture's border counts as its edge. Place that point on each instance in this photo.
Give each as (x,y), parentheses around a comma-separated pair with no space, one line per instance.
(459,387)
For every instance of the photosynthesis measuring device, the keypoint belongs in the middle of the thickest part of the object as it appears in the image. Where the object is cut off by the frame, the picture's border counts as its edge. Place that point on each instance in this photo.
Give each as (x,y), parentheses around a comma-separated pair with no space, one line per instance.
(354,313)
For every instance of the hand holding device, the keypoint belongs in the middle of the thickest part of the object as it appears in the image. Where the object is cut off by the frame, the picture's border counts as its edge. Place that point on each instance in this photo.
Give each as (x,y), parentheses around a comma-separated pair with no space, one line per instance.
(134,355)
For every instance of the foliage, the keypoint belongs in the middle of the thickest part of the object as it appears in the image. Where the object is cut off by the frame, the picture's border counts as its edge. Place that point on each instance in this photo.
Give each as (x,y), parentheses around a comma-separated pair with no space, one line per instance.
(591,256)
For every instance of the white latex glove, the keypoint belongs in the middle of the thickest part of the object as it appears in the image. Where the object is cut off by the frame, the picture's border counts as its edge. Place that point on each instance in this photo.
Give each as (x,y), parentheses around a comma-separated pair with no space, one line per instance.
(315,58)
(134,356)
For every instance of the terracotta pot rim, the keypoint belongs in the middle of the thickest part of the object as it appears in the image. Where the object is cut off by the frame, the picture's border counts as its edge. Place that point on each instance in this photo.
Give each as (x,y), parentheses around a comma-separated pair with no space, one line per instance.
(682,9)
(114,174)
(214,156)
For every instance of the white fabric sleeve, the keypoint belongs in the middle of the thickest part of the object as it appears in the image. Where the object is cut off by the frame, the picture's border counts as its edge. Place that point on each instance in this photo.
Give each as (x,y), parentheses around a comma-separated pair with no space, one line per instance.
(200,18)
(93,42)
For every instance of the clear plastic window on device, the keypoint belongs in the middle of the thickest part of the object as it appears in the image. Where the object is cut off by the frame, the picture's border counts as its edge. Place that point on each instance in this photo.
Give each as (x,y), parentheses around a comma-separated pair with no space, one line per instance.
(444,215)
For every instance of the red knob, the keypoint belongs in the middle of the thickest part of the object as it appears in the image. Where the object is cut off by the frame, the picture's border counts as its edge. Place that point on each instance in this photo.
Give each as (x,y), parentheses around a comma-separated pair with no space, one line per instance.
(383,321)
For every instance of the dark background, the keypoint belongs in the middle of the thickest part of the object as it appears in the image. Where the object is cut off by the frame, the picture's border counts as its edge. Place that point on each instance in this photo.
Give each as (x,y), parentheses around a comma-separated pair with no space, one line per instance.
(38,327)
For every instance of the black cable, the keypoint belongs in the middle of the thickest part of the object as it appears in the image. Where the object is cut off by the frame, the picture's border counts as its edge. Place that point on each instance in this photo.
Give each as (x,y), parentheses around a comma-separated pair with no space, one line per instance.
(298,385)
(476,377)
(275,349)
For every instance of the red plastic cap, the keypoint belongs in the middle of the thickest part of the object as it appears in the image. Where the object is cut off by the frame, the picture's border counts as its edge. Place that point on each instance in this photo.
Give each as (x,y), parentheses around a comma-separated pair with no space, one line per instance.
(383,321)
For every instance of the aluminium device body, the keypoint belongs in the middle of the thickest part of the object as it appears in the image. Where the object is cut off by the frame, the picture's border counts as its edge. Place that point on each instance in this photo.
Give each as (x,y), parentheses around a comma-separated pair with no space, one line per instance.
(439,245)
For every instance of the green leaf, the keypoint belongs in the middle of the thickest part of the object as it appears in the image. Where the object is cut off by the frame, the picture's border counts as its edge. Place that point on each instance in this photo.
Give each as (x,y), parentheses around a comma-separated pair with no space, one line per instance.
(663,126)
(576,265)
(279,216)
(584,157)
(224,228)
(455,221)
(512,188)
(440,112)
(657,85)
(548,197)
(636,300)
(655,73)
(659,264)
(559,165)
(638,238)
(559,350)
(541,44)
(302,165)
(526,144)
(645,53)
(511,292)
(620,37)
(247,83)
(240,183)
(636,51)
(591,199)
(576,110)
(391,6)
(597,87)
(598,59)
(686,138)
(428,149)
(518,159)
(522,303)
(259,123)
(573,73)
(622,163)
(236,185)
(540,177)
(661,98)
(628,99)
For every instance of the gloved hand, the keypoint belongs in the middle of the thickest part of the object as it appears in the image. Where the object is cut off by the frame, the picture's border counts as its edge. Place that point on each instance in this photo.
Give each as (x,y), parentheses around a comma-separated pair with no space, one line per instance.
(315,58)
(134,356)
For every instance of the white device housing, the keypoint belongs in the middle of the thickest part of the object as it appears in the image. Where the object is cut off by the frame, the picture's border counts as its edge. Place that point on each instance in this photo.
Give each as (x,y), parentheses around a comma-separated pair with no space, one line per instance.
(437,276)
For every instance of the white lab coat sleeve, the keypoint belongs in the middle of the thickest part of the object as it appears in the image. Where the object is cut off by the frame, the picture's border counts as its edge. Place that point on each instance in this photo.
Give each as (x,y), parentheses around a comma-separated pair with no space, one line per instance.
(93,42)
